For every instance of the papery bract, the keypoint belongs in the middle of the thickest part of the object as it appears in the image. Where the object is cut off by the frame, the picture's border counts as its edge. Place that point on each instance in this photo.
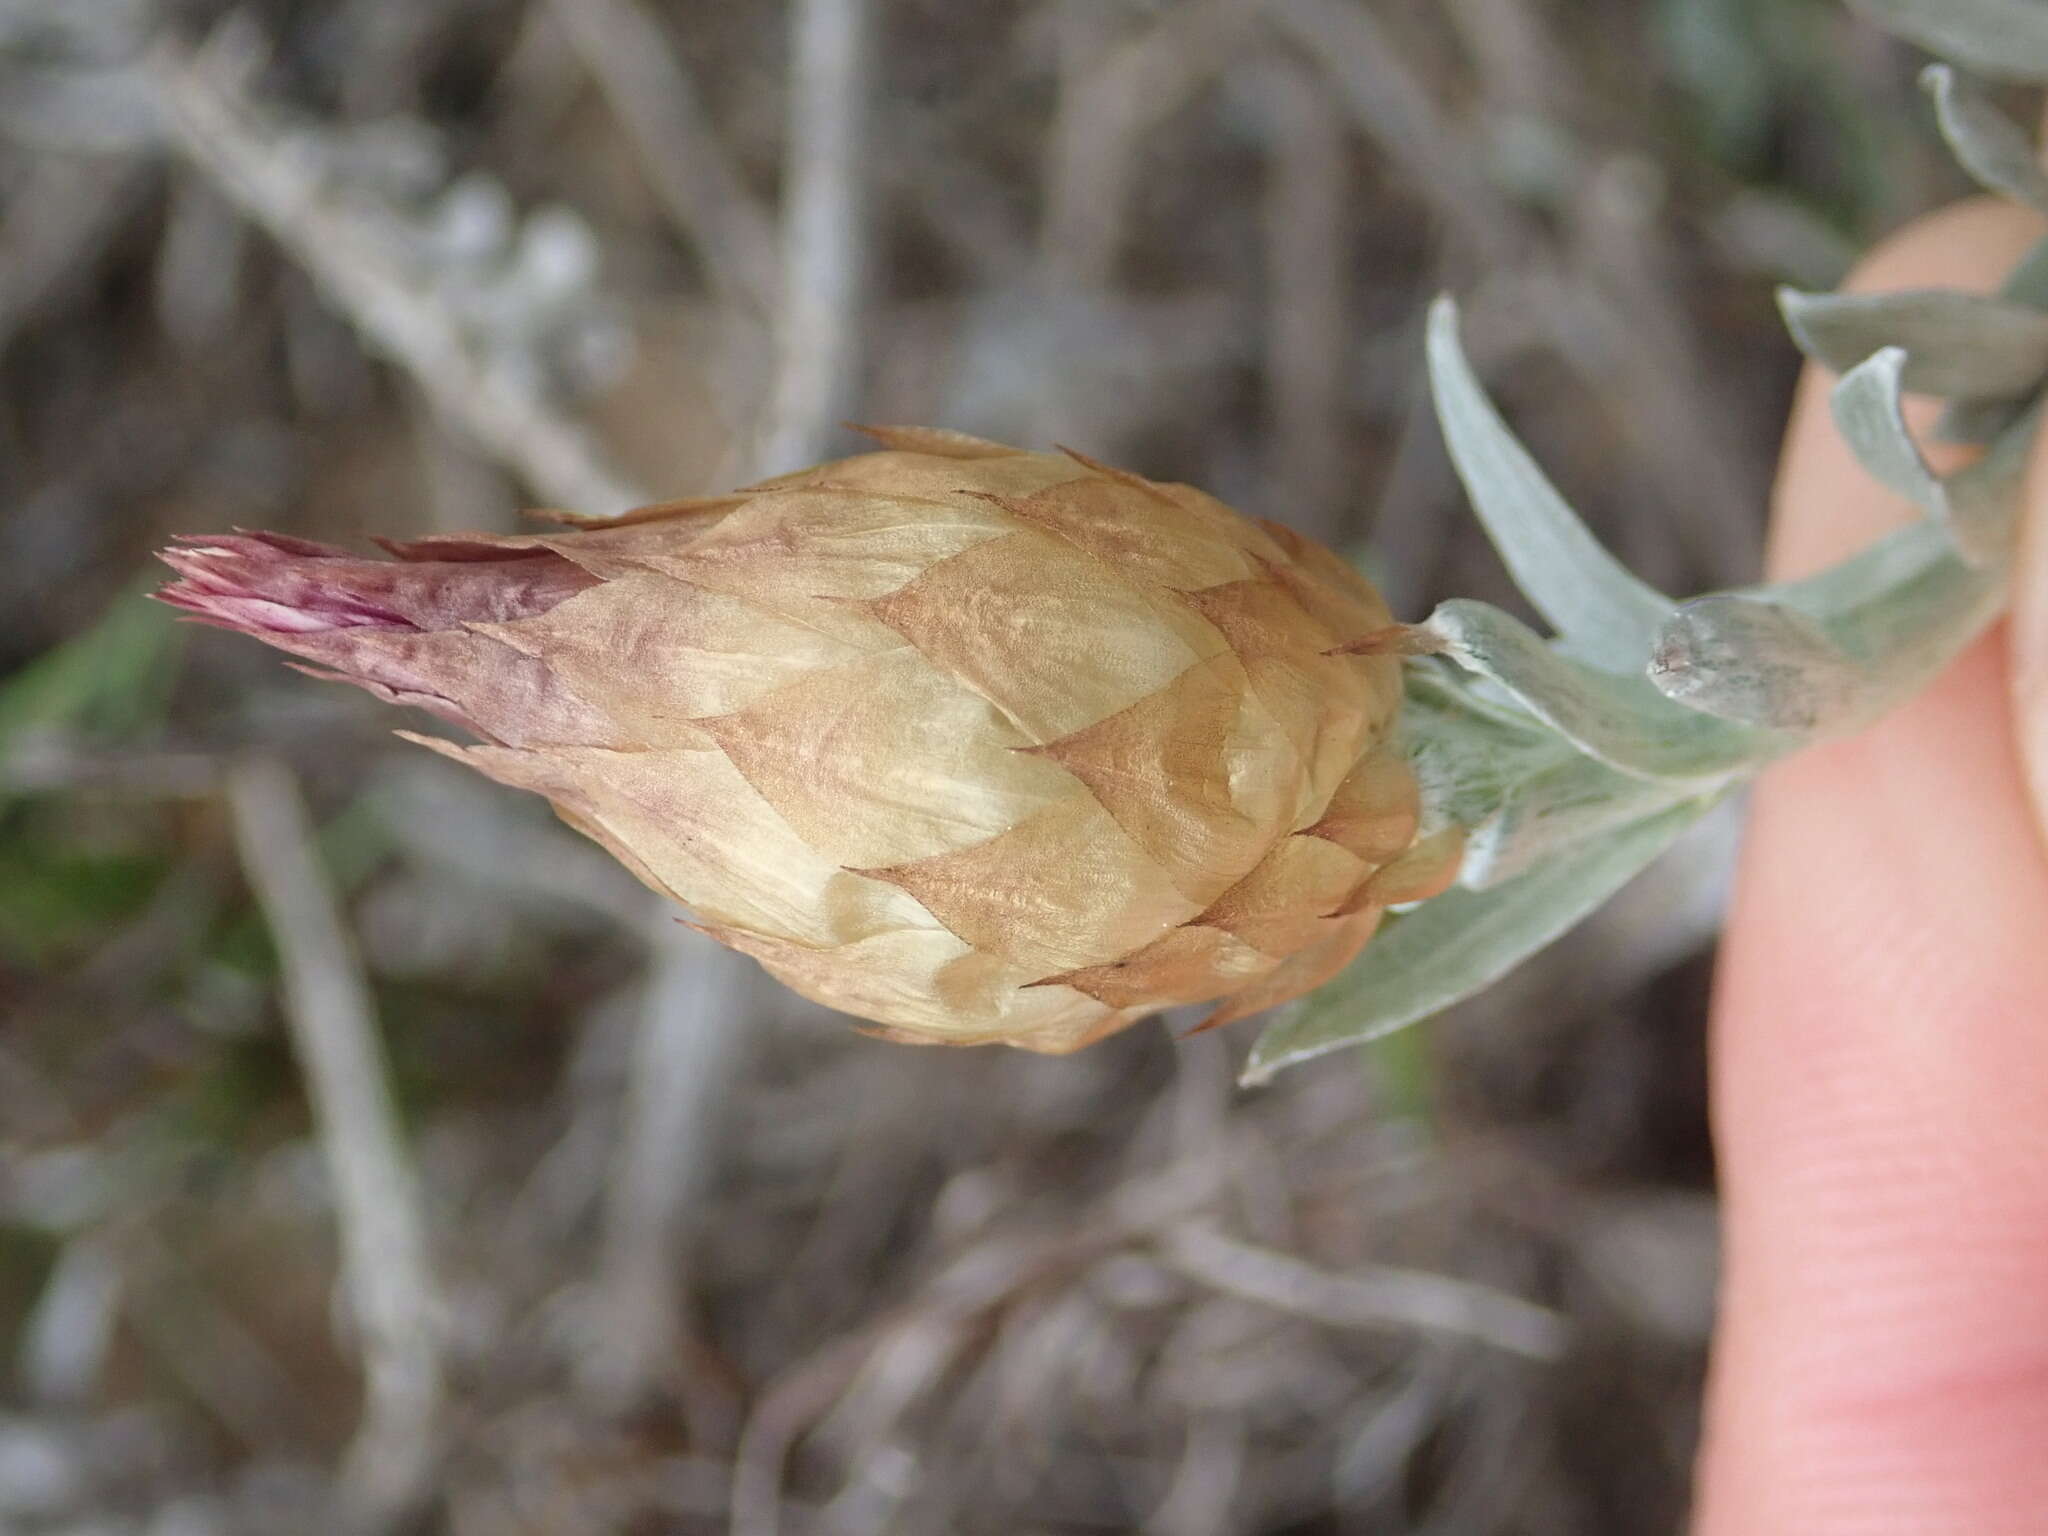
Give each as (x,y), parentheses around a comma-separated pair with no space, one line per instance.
(978,744)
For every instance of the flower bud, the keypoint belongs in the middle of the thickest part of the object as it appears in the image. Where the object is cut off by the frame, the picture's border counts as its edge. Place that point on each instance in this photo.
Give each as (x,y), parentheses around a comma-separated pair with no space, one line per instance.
(978,744)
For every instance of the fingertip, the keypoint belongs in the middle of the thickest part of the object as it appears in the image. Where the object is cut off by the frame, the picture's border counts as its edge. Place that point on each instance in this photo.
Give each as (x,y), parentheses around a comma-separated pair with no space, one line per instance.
(1879,1058)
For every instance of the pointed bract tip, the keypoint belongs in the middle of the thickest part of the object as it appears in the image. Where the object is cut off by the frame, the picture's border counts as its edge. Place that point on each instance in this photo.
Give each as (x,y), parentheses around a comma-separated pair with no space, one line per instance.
(1792,301)
(942,442)
(1393,640)
(1125,477)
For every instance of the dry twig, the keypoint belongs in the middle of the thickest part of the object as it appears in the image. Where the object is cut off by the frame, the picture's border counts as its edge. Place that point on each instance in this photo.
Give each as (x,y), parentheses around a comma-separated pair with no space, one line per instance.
(686,1058)
(1308,323)
(1396,111)
(1381,1297)
(391,1292)
(1106,107)
(58,221)
(824,254)
(659,107)
(503,409)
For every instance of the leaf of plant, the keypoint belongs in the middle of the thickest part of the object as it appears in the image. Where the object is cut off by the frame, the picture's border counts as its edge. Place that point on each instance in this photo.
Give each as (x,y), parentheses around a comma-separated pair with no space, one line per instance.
(2027,283)
(1977,507)
(1897,558)
(1902,609)
(1976,422)
(1552,813)
(2005,39)
(1467,751)
(1907,634)
(1870,416)
(1601,611)
(1759,664)
(1620,719)
(1993,148)
(1957,344)
(1984,499)
(1461,942)
(1980,421)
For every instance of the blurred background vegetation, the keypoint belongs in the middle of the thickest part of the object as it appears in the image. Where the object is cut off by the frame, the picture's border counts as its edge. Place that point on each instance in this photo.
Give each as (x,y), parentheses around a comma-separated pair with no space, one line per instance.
(360,267)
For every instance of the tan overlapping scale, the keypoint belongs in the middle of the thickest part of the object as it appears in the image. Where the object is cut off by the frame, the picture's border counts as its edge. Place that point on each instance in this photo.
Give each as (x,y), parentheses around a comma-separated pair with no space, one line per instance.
(1262,619)
(1425,870)
(1375,809)
(1139,535)
(1324,704)
(656,653)
(938,442)
(1189,964)
(1325,586)
(1063,890)
(702,510)
(1236,778)
(664,527)
(1205,512)
(886,760)
(932,477)
(1061,1039)
(707,838)
(809,552)
(1280,905)
(932,987)
(1302,972)
(1327,739)
(1330,570)
(1045,632)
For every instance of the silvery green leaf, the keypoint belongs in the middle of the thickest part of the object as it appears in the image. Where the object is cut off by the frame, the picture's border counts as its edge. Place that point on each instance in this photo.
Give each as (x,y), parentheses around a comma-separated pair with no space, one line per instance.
(1870,417)
(1984,499)
(1553,812)
(1898,558)
(1978,507)
(1899,611)
(2005,39)
(1758,664)
(1990,146)
(1601,611)
(1461,942)
(1980,421)
(1619,718)
(1902,608)
(1468,751)
(1957,344)
(2027,283)
(1976,422)
(1904,633)
(1916,629)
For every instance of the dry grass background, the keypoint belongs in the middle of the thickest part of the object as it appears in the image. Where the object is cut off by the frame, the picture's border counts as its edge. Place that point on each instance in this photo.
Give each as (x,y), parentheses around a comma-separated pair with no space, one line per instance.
(652,1248)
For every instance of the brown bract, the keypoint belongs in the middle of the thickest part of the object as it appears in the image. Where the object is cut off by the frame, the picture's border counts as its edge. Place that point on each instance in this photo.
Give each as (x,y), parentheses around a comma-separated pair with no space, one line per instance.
(978,744)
